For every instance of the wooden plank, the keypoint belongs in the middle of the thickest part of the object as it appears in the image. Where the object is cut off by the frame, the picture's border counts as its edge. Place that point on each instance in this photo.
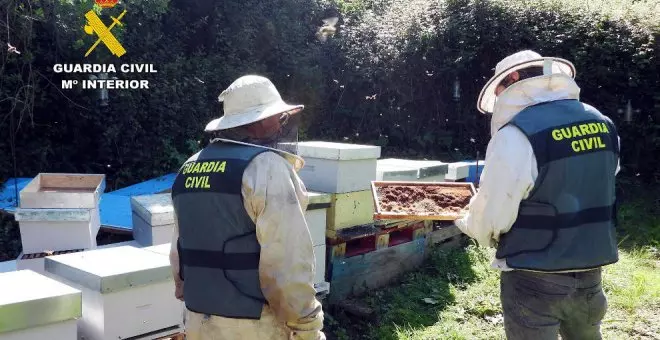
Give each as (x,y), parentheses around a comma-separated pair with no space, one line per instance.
(71,181)
(359,231)
(355,275)
(363,239)
(380,215)
(338,251)
(382,241)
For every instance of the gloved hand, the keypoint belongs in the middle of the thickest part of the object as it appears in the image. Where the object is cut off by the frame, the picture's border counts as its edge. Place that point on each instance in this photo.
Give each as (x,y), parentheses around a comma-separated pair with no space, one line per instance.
(307,331)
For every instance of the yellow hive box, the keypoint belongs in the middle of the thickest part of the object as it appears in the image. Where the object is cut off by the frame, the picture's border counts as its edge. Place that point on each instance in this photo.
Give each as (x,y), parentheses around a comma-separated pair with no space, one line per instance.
(350,209)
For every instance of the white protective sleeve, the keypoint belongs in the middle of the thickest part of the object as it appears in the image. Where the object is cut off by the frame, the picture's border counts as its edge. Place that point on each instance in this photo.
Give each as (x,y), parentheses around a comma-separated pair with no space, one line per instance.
(507,178)
(276,199)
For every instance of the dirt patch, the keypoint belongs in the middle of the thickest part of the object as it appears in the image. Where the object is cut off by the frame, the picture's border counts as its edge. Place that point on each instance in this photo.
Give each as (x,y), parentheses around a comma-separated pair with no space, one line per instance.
(423,200)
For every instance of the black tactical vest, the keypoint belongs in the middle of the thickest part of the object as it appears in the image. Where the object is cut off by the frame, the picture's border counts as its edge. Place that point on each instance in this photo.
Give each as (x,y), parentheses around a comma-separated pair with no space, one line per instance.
(568,221)
(218,247)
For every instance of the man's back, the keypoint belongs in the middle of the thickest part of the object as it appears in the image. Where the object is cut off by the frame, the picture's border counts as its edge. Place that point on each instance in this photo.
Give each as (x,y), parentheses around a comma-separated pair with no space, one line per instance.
(217,243)
(273,198)
(566,223)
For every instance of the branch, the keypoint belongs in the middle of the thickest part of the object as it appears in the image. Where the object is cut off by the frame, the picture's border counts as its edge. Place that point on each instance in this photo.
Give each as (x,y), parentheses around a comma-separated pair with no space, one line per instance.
(15,101)
(62,93)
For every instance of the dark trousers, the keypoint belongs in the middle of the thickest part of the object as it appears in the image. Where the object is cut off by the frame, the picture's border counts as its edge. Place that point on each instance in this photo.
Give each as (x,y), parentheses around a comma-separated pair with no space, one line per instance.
(538,306)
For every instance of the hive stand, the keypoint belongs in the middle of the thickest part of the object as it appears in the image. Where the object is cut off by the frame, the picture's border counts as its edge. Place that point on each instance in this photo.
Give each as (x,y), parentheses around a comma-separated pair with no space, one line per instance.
(368,257)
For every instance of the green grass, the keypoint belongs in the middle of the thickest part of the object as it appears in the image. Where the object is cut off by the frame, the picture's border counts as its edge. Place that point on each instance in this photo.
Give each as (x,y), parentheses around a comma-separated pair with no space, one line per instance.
(456,294)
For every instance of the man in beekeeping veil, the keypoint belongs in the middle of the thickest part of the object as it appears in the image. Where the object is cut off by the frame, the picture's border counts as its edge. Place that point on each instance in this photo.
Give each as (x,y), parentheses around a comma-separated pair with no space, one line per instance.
(546,199)
(242,254)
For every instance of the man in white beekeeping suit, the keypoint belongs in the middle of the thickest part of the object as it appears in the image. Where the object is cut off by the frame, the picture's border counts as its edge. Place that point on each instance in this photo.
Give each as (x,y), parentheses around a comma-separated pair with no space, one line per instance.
(242,254)
(546,199)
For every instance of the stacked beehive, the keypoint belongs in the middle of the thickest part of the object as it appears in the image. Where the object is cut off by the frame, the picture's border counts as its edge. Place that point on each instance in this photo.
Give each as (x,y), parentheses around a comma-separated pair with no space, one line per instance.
(153,219)
(58,213)
(345,171)
(33,306)
(127,292)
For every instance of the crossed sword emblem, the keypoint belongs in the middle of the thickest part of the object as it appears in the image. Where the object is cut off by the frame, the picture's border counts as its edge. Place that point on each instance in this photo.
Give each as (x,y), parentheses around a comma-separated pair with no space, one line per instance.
(96,26)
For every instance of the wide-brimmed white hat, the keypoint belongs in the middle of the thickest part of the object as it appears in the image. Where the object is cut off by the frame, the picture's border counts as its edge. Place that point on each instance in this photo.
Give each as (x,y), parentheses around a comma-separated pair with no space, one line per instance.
(515,62)
(247,100)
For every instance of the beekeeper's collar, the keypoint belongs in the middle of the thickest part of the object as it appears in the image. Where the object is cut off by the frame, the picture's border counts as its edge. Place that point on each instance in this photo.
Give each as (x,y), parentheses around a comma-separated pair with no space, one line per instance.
(296,161)
(530,92)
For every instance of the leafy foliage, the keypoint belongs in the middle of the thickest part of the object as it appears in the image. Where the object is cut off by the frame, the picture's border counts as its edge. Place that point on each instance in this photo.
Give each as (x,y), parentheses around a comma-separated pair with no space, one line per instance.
(387,77)
(398,62)
(197,48)
(10,237)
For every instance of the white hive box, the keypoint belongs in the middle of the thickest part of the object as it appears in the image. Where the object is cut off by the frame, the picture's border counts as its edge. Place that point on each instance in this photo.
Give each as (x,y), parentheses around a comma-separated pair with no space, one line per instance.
(50,229)
(338,167)
(316,214)
(153,219)
(63,191)
(33,307)
(127,292)
(393,169)
(162,249)
(35,262)
(458,171)
(316,224)
(319,256)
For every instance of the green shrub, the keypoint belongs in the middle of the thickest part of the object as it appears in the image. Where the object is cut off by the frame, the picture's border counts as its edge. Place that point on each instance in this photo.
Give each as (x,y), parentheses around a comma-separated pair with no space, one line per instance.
(387,77)
(10,238)
(398,60)
(198,49)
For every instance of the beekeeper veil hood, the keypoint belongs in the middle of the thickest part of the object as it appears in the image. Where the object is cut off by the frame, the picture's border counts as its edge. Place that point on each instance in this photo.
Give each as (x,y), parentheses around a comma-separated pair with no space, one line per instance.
(516,62)
(254,113)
